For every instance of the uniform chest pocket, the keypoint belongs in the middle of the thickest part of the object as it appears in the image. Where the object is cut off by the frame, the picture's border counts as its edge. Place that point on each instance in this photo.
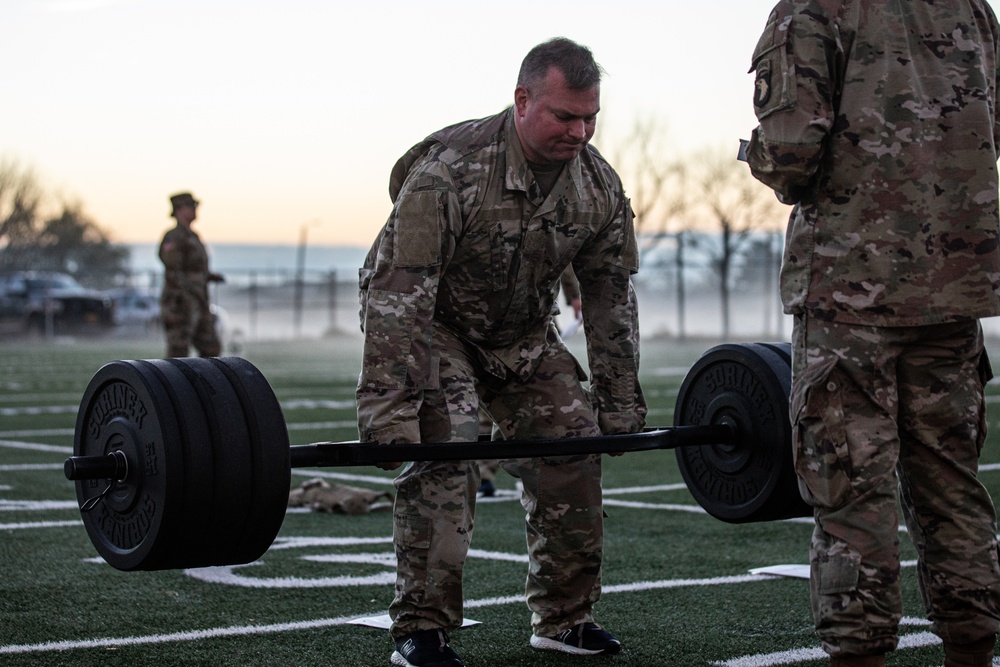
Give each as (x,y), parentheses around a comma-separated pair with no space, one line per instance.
(486,253)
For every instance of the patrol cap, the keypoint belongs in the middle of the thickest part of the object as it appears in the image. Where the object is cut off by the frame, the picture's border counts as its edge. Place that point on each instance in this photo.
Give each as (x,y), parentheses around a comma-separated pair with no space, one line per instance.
(180,200)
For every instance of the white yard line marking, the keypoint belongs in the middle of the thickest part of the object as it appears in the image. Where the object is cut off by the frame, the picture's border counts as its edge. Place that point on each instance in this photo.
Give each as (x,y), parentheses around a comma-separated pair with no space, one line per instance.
(345,476)
(18,467)
(314,404)
(35,446)
(916,640)
(37,505)
(911,641)
(42,410)
(322,426)
(39,524)
(295,404)
(188,636)
(644,489)
(37,433)
(249,630)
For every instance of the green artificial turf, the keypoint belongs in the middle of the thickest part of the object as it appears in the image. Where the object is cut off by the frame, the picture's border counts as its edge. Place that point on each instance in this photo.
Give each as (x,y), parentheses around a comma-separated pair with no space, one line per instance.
(677,588)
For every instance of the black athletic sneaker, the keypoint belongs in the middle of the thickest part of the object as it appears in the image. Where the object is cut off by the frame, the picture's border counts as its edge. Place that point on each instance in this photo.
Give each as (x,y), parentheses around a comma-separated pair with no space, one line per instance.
(582,639)
(425,648)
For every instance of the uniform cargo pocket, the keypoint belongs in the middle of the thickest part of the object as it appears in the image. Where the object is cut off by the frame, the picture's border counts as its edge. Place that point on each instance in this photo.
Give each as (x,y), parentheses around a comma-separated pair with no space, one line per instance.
(838,574)
(822,455)
(411,531)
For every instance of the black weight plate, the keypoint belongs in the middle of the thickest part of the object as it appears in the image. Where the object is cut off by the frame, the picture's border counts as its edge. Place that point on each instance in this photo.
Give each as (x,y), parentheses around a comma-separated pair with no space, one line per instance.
(199,487)
(784,350)
(232,471)
(751,479)
(133,525)
(269,447)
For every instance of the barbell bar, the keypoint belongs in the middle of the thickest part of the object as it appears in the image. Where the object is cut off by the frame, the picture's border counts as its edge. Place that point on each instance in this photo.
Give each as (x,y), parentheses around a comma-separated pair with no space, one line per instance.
(183,463)
(114,465)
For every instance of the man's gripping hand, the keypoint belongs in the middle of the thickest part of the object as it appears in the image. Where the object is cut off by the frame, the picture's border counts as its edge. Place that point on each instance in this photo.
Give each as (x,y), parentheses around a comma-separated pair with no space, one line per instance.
(401,433)
(620,423)
(389,465)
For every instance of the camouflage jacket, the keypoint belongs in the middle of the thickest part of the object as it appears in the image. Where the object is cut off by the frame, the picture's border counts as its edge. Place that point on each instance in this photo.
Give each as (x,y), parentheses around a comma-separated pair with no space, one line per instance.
(878,120)
(570,286)
(185,262)
(472,245)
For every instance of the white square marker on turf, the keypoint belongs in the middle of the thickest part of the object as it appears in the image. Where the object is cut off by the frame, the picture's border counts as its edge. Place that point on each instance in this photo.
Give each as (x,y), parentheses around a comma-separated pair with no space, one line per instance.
(791,571)
(383,622)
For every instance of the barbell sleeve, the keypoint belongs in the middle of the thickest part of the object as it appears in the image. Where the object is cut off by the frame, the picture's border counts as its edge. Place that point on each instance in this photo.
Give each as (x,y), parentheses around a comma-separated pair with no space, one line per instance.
(113,465)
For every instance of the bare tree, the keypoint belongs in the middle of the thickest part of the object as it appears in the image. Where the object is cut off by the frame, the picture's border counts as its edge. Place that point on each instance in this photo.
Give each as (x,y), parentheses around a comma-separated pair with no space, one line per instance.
(20,201)
(74,243)
(69,242)
(674,224)
(679,199)
(643,160)
(656,180)
(759,271)
(732,202)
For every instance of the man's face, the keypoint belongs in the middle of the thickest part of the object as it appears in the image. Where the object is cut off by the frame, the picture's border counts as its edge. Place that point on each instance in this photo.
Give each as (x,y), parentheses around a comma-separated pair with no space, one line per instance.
(554,123)
(186,214)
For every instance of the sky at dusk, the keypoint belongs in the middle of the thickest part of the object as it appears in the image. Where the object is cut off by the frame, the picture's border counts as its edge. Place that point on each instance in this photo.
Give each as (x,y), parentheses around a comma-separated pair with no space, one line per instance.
(284,116)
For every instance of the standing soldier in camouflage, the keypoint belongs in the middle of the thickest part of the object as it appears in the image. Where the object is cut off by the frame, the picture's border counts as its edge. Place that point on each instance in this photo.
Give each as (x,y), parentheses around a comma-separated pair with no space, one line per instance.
(457,299)
(878,122)
(184,304)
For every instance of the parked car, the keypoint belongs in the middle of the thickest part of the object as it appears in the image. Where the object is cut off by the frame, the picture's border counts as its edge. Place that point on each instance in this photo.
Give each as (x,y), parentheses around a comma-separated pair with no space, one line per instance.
(135,308)
(48,303)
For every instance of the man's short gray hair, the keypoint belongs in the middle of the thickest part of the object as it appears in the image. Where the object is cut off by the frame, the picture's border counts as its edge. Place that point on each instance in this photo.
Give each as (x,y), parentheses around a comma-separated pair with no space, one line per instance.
(575,61)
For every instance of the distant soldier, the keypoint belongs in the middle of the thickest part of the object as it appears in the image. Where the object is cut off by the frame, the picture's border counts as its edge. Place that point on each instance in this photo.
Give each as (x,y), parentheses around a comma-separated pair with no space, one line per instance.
(184,303)
(878,121)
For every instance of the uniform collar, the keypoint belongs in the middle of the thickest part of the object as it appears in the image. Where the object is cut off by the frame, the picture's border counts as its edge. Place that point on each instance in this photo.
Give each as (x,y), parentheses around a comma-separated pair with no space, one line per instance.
(519,176)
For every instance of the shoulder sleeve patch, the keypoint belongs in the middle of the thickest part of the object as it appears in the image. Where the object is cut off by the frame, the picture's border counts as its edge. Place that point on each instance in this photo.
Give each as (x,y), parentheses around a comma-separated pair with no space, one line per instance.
(774,82)
(419,223)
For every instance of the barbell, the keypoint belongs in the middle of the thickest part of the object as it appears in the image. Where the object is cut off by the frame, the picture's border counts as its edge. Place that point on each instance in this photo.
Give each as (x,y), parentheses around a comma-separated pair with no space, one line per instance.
(186,462)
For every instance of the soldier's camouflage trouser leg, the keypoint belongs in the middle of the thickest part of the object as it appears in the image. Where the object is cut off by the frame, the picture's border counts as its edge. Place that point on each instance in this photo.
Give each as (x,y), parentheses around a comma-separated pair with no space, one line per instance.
(871,406)
(488,468)
(435,502)
(188,321)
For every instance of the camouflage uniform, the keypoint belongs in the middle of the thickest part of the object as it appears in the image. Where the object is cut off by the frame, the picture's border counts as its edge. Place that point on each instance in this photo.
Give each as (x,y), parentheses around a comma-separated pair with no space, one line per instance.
(457,297)
(488,468)
(877,120)
(184,305)
(570,286)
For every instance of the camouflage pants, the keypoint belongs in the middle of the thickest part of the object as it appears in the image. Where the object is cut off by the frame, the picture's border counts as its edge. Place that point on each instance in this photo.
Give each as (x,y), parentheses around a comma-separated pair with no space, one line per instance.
(188,321)
(876,410)
(488,468)
(435,502)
